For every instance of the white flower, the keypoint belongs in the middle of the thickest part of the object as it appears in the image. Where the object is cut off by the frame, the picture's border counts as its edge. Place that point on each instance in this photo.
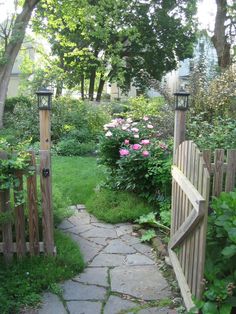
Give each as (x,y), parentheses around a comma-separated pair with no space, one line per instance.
(136,136)
(145,118)
(108,134)
(150,126)
(129,120)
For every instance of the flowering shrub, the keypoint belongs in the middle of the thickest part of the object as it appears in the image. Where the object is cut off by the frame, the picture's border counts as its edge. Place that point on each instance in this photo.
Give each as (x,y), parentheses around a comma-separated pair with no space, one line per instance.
(137,159)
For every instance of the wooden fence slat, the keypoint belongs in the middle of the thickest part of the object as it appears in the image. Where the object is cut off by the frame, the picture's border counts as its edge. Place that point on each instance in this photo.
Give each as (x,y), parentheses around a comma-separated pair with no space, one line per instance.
(218,172)
(33,208)
(231,169)
(6,227)
(47,220)
(19,217)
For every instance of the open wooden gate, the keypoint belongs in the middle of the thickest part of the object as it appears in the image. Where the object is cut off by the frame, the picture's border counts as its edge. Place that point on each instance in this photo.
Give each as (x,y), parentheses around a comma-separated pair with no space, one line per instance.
(190,196)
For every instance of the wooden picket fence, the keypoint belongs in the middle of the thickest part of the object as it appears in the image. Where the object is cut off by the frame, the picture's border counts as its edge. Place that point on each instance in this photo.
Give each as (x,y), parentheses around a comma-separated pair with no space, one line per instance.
(14,234)
(196,176)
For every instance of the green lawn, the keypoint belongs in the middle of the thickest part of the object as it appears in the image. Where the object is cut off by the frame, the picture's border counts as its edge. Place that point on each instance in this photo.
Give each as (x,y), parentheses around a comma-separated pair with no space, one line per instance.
(76,177)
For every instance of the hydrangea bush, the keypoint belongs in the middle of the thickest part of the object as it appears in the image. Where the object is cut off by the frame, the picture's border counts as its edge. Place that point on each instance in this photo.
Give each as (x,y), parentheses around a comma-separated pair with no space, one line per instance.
(137,159)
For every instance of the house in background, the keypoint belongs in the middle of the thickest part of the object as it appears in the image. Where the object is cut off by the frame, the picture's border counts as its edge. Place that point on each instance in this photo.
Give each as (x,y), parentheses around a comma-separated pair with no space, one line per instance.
(13,87)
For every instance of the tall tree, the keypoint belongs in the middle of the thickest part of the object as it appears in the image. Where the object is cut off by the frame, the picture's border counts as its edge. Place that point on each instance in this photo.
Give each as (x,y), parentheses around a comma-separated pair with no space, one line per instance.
(224,31)
(12,36)
(123,41)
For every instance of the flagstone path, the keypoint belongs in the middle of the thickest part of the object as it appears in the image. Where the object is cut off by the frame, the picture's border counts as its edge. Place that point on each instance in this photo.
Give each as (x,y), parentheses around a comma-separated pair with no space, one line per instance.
(121,274)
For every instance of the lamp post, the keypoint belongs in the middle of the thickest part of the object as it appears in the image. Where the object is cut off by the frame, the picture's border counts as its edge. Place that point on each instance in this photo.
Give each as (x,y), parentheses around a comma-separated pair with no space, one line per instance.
(181,106)
(44,105)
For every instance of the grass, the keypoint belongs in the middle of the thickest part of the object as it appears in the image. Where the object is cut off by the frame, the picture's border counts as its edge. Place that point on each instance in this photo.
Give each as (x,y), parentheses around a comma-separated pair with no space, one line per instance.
(76,177)
(117,206)
(24,280)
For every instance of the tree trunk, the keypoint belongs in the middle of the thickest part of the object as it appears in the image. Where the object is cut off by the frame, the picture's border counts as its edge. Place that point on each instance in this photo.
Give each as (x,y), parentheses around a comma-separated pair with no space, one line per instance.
(82,87)
(100,89)
(12,50)
(219,38)
(59,88)
(92,83)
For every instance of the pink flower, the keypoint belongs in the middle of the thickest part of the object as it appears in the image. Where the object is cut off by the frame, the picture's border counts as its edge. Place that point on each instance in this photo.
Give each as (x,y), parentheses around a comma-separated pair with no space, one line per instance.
(136,146)
(126,142)
(135,130)
(145,153)
(145,142)
(124,152)
(136,136)
(145,118)
(108,134)
(150,126)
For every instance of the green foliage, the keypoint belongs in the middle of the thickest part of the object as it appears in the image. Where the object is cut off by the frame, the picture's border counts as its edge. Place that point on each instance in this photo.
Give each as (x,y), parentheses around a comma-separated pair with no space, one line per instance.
(71,147)
(150,219)
(14,161)
(136,159)
(215,97)
(116,206)
(148,235)
(24,280)
(11,102)
(74,123)
(220,270)
(141,106)
(220,133)
(103,35)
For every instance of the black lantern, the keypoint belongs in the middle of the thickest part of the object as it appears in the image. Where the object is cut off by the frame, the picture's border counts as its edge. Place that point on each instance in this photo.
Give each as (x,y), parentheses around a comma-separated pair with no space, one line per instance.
(181,100)
(44,99)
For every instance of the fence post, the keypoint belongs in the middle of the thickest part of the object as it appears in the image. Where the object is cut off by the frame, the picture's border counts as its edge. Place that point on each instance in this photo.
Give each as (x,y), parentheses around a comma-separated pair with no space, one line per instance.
(45,180)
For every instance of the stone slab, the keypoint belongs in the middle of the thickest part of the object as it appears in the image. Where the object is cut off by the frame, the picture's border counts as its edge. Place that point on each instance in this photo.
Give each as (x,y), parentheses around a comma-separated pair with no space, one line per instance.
(129,239)
(101,241)
(124,229)
(94,276)
(84,307)
(66,224)
(109,260)
(51,304)
(99,232)
(143,248)
(118,246)
(103,225)
(77,291)
(144,282)
(138,259)
(115,304)
(88,249)
(81,217)
(156,310)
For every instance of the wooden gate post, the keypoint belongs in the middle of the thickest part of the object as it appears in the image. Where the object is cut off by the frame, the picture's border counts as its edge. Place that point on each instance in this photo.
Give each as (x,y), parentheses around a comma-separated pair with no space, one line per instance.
(181,105)
(179,130)
(44,104)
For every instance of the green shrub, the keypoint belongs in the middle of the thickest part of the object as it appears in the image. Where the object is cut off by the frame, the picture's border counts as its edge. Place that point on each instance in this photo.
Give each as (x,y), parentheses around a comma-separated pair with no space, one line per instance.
(69,118)
(71,147)
(221,133)
(11,102)
(138,161)
(220,270)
